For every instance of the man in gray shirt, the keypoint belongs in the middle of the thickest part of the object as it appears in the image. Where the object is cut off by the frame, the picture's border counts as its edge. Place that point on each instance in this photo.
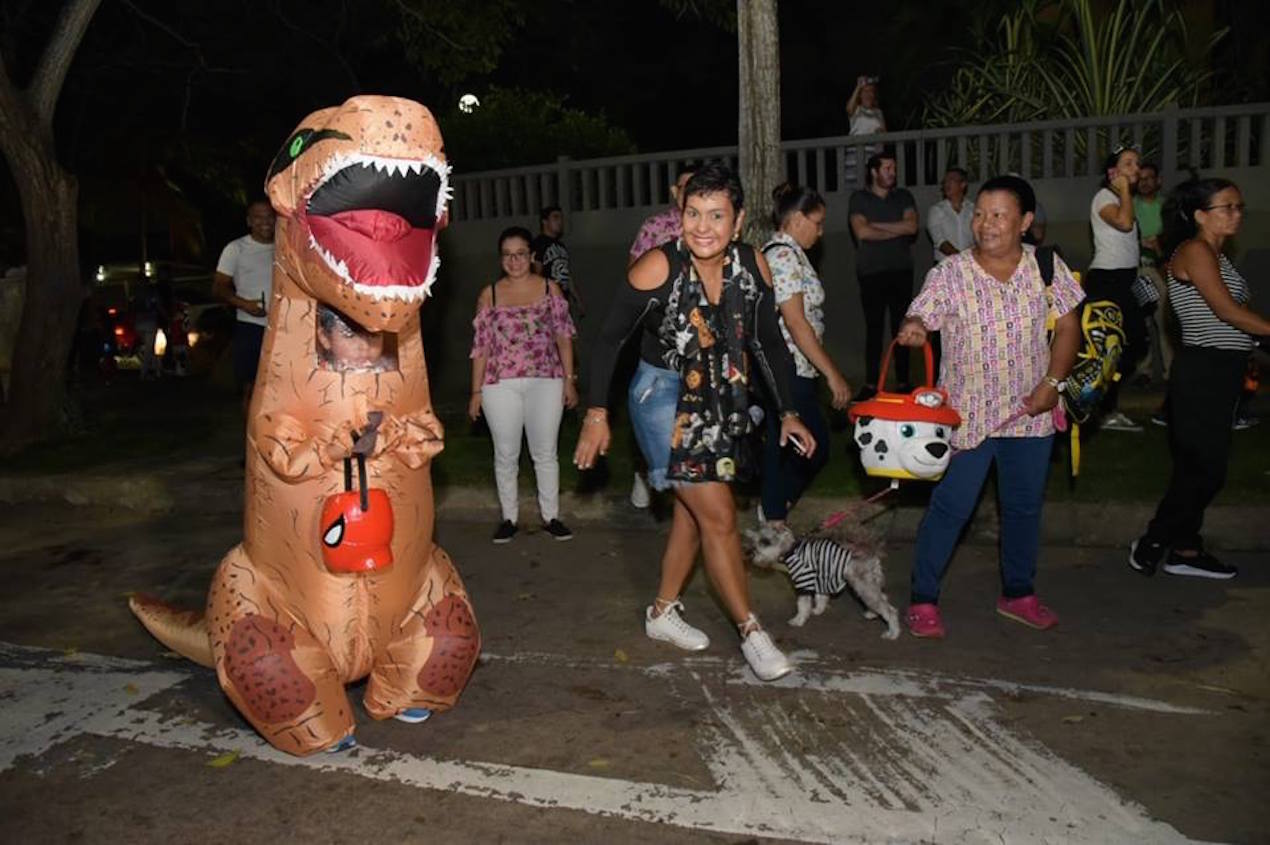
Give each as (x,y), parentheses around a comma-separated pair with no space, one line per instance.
(884,225)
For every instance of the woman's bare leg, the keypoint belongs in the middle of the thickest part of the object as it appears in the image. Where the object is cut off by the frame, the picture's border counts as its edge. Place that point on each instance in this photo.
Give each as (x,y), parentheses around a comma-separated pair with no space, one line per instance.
(712,507)
(681,553)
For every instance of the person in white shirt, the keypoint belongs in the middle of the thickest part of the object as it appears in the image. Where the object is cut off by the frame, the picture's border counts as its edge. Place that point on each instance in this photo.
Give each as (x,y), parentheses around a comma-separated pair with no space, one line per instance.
(866,118)
(1114,268)
(948,221)
(244,279)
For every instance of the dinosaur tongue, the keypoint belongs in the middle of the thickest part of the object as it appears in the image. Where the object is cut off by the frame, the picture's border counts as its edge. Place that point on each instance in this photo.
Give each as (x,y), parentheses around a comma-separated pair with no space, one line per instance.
(376,247)
(378,225)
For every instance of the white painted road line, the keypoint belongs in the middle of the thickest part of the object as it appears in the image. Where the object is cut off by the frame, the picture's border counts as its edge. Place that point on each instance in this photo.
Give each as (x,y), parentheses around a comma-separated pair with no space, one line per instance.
(912,766)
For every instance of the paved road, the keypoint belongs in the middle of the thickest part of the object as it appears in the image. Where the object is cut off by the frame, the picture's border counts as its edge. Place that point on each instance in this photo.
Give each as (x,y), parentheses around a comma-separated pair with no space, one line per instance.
(1143,718)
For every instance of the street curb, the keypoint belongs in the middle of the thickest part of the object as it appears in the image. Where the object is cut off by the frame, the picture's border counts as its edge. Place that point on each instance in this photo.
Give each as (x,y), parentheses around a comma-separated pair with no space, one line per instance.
(217,487)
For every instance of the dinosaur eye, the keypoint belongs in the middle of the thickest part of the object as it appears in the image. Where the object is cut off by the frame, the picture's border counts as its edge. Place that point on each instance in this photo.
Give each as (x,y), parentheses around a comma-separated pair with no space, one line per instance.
(908,430)
(299,143)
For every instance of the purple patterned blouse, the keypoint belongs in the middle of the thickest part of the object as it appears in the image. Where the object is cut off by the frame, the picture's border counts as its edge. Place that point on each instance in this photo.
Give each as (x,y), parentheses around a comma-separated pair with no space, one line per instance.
(519,341)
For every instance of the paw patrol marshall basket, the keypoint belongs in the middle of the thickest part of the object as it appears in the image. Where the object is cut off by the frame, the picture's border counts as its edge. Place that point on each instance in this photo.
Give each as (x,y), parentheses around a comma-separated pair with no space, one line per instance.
(905,435)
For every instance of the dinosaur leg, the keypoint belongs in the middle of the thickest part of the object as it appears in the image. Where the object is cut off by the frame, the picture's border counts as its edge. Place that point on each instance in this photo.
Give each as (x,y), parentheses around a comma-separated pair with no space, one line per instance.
(270,665)
(433,649)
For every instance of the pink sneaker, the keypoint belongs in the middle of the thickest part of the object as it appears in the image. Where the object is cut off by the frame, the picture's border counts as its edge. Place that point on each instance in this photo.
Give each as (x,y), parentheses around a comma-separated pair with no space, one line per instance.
(923,620)
(1029,611)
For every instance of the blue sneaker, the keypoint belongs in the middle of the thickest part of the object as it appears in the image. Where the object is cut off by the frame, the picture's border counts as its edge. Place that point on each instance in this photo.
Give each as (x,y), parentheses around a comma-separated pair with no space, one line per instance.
(413,715)
(344,744)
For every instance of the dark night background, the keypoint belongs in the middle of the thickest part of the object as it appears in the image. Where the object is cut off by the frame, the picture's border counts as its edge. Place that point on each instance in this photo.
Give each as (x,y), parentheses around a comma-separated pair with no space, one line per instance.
(190,100)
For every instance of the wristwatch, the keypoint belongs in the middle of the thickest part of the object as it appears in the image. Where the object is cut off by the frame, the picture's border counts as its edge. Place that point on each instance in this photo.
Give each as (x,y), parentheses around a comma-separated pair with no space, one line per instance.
(1055,383)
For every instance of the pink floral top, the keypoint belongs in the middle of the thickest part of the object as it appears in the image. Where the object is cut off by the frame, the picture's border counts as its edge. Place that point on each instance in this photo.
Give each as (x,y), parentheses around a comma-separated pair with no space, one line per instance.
(662,227)
(995,346)
(519,341)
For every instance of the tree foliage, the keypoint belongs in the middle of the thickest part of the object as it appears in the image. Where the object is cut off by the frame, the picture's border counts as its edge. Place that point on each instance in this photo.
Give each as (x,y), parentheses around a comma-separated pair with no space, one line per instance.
(453,40)
(514,127)
(1070,58)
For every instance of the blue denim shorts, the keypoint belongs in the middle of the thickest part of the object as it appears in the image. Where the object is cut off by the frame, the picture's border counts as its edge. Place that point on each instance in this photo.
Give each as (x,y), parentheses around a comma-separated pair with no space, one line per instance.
(653,399)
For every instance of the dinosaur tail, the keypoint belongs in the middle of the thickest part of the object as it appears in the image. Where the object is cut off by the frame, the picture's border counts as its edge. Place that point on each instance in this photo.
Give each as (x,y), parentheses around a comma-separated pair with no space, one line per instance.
(183,631)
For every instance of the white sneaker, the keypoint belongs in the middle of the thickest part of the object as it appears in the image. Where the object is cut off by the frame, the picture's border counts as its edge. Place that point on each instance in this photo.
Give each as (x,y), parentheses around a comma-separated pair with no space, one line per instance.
(764,657)
(670,627)
(1117,421)
(640,497)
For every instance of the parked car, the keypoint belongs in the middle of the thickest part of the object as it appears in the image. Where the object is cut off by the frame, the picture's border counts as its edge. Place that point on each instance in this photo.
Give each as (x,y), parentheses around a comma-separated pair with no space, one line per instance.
(191,321)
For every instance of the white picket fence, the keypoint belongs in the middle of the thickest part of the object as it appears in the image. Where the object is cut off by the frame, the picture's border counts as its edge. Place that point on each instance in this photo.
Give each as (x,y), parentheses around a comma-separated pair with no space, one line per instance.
(1220,138)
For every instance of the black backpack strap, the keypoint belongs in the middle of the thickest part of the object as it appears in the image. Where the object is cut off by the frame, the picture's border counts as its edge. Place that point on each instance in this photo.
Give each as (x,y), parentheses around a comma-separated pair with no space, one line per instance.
(1045,260)
(747,254)
(769,247)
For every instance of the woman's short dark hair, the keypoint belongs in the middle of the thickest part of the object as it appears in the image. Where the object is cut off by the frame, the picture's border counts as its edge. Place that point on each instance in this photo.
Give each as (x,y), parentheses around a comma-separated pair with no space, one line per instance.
(787,198)
(547,211)
(1193,195)
(1016,185)
(714,177)
(515,232)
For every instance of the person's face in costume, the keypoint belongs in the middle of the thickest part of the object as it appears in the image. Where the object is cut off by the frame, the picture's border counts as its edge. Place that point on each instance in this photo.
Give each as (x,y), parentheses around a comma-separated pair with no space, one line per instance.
(260,222)
(710,224)
(349,348)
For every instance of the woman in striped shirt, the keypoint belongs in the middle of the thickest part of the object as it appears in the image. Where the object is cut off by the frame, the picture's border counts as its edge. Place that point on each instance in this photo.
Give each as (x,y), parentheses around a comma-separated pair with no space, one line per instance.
(1210,301)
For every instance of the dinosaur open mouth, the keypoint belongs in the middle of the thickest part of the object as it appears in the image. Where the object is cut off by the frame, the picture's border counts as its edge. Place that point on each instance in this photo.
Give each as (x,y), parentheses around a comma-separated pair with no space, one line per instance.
(373,220)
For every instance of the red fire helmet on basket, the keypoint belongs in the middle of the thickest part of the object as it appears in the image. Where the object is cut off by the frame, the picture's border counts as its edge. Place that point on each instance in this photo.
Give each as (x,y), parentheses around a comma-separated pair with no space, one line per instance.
(905,435)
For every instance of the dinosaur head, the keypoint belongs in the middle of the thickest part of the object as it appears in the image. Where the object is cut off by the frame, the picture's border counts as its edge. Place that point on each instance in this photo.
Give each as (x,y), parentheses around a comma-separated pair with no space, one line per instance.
(361,189)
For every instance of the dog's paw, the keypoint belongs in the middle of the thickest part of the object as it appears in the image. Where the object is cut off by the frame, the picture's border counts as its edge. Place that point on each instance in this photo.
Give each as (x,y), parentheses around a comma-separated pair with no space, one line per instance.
(869,614)
(892,633)
(798,621)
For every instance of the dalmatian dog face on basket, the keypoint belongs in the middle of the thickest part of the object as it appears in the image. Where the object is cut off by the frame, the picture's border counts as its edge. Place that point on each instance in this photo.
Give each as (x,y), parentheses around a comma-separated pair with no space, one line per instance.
(903,448)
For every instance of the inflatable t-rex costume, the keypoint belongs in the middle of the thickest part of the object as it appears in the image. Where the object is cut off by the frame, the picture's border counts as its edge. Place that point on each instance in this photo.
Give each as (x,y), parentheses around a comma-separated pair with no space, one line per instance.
(360,191)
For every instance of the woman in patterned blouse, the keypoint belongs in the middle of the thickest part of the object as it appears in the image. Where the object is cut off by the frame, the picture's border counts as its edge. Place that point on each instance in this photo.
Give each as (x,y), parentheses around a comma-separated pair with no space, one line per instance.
(523,379)
(1003,375)
(799,217)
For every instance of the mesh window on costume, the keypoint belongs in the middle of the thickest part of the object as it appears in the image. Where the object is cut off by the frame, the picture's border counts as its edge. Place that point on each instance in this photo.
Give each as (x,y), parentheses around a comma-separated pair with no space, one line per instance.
(343,345)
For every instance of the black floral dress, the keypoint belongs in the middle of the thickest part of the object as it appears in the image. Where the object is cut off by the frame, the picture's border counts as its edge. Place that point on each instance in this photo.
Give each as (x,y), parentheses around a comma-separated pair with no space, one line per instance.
(716,348)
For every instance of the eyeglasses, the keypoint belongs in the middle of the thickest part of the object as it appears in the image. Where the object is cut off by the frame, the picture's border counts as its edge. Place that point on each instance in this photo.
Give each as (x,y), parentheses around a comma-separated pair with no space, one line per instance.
(517,255)
(1227,208)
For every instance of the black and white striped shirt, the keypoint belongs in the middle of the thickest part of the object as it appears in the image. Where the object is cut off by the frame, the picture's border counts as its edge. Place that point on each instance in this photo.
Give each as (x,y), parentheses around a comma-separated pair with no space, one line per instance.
(1200,326)
(818,566)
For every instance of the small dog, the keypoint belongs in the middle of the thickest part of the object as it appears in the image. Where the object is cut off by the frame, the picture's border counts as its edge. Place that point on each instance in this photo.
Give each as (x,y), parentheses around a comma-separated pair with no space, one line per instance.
(820,567)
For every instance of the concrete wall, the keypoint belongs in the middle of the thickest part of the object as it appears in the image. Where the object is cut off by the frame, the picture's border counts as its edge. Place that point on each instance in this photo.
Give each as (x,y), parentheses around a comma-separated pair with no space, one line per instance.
(598,243)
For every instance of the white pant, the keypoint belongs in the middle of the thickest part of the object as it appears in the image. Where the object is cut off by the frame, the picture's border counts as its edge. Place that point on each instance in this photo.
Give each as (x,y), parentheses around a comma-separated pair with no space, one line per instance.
(533,406)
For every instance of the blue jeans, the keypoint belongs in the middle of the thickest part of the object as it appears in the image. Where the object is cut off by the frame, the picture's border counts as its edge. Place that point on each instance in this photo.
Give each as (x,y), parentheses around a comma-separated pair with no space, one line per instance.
(787,474)
(652,402)
(1022,467)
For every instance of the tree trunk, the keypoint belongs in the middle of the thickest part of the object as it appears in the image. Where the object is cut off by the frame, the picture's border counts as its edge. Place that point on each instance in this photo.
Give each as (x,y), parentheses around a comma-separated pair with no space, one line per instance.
(49,195)
(50,306)
(759,135)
